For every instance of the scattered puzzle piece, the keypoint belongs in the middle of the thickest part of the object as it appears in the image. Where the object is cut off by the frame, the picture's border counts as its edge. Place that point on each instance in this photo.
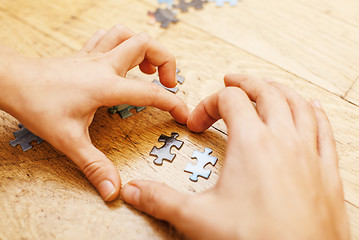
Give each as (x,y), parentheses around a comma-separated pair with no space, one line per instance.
(164,152)
(185,4)
(220,3)
(124,110)
(164,16)
(24,137)
(203,158)
(169,3)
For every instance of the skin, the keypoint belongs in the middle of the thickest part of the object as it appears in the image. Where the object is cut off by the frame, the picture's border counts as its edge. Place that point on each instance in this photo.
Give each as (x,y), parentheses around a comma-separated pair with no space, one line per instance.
(280,179)
(68,91)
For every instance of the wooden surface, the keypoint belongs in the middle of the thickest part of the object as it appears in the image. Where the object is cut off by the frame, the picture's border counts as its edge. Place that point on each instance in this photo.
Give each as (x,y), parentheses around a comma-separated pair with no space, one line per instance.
(311,46)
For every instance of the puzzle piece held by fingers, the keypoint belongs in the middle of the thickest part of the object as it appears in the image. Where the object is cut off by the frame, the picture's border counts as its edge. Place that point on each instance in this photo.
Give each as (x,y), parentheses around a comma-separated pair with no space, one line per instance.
(174,90)
(180,79)
(203,158)
(24,137)
(124,110)
(164,152)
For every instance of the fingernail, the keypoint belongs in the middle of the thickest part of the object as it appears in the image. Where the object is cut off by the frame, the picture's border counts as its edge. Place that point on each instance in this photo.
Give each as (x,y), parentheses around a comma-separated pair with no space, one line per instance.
(131,194)
(106,189)
(317,104)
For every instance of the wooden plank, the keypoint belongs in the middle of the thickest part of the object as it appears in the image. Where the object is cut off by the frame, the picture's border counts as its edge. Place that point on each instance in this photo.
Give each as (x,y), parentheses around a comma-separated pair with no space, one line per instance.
(353,213)
(295,37)
(347,11)
(353,94)
(72,23)
(42,189)
(50,197)
(27,41)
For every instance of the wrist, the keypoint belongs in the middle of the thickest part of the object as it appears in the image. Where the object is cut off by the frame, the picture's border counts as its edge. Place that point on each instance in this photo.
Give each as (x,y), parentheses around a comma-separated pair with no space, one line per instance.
(9,60)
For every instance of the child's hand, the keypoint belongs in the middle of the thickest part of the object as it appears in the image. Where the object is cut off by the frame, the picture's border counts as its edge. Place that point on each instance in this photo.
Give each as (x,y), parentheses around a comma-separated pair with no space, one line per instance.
(280,179)
(57,98)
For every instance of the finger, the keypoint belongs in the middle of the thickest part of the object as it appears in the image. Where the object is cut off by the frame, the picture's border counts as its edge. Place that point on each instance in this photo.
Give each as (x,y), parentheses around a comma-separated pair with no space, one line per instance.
(231,104)
(140,93)
(271,104)
(147,67)
(326,141)
(117,35)
(157,200)
(98,169)
(303,114)
(142,47)
(92,42)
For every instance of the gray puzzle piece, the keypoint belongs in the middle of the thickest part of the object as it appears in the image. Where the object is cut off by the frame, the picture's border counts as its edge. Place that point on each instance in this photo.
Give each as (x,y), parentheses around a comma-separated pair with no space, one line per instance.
(203,158)
(24,137)
(164,152)
(184,5)
(165,17)
(174,90)
(124,110)
(180,80)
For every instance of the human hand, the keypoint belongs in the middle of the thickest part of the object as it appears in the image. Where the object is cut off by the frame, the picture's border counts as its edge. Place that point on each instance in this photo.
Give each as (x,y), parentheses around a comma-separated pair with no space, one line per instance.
(57,98)
(280,179)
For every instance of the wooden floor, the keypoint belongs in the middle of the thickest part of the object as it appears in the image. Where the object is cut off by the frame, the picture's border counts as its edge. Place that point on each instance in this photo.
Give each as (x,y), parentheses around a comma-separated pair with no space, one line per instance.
(312,46)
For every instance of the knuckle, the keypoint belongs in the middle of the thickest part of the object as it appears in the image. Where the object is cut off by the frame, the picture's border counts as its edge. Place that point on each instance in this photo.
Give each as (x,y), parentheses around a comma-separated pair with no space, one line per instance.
(150,202)
(92,169)
(120,28)
(143,38)
(227,94)
(156,90)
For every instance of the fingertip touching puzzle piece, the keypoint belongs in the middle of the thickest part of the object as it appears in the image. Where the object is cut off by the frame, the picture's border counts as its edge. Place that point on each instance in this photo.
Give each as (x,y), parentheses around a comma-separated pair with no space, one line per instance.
(24,137)
(203,158)
(180,79)
(164,152)
(124,110)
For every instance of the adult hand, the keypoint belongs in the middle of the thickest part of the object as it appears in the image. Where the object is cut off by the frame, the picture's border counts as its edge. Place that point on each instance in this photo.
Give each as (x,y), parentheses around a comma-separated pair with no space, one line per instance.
(280,179)
(57,98)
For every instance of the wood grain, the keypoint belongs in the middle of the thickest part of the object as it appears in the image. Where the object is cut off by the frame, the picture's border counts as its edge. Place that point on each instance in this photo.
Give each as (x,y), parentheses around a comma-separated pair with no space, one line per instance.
(45,196)
(353,93)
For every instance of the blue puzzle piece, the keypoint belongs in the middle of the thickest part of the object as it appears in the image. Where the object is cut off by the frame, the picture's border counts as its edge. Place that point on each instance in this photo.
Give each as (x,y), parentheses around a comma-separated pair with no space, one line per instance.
(169,3)
(203,158)
(220,3)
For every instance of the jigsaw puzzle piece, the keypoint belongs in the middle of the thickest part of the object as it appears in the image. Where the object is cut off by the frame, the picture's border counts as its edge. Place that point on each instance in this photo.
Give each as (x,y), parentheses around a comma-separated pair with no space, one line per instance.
(174,90)
(179,79)
(164,152)
(124,110)
(165,17)
(203,158)
(169,3)
(220,3)
(24,137)
(184,4)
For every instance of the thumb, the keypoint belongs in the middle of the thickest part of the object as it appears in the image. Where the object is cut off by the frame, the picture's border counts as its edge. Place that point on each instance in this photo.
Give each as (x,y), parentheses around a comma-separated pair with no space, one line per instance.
(157,200)
(98,169)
